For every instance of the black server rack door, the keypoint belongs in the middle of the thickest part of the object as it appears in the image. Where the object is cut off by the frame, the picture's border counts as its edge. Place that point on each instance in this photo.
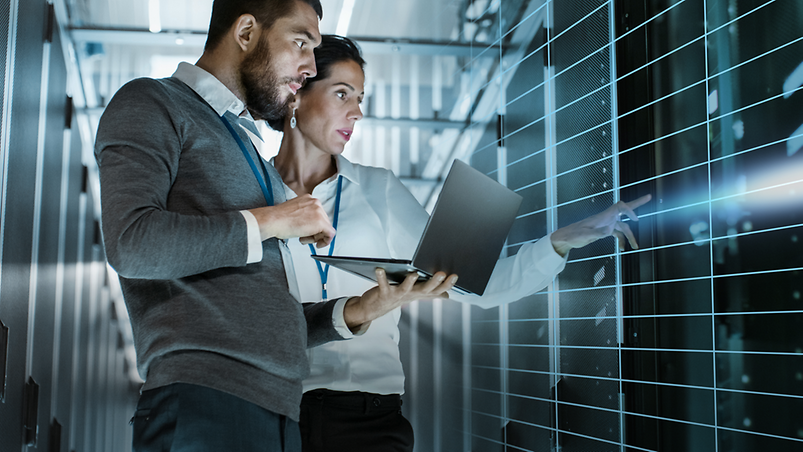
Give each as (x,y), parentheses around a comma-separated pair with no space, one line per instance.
(47,311)
(18,210)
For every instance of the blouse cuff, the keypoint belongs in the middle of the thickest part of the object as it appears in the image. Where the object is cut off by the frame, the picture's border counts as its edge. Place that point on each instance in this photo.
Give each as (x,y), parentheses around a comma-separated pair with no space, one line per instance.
(548,259)
(254,237)
(339,320)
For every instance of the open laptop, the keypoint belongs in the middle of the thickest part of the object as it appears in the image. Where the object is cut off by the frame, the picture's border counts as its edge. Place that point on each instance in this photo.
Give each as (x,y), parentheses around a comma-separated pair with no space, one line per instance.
(464,234)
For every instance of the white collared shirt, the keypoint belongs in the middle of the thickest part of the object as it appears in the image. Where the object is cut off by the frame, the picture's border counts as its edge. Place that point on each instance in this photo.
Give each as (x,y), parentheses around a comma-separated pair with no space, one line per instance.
(379,217)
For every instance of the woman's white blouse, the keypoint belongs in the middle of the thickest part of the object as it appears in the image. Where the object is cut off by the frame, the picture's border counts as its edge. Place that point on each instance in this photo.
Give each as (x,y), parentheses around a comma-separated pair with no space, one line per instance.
(379,217)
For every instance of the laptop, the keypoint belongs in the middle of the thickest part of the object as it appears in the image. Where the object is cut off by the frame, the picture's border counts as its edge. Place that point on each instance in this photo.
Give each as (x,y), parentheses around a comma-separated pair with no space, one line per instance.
(464,235)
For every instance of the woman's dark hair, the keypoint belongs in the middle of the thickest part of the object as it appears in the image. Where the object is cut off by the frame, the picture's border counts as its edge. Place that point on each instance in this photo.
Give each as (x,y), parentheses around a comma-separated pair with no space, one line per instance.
(266,12)
(333,49)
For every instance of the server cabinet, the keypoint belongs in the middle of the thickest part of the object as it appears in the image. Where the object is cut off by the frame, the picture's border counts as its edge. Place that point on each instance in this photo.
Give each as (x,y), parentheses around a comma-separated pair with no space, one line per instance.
(25,50)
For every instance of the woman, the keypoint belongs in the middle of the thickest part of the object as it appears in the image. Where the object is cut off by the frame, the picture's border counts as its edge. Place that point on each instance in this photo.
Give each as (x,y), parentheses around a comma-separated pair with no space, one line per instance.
(352,397)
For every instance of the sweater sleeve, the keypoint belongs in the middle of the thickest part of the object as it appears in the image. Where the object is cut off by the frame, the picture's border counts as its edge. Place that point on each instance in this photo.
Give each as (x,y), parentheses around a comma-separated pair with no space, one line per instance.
(320,324)
(138,148)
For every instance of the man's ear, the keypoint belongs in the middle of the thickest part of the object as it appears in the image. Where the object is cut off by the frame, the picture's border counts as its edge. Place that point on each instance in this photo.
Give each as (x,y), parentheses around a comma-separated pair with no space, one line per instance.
(246,32)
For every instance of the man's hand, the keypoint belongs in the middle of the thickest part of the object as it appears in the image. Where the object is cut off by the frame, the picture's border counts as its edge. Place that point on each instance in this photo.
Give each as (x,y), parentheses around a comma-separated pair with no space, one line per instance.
(302,217)
(601,225)
(384,298)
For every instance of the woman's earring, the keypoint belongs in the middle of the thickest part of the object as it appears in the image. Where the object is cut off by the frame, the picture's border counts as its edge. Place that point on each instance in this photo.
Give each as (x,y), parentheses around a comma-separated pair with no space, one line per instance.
(293,121)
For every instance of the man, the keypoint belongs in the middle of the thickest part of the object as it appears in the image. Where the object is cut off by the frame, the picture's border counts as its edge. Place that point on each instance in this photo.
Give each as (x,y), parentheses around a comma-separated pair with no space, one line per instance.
(193,222)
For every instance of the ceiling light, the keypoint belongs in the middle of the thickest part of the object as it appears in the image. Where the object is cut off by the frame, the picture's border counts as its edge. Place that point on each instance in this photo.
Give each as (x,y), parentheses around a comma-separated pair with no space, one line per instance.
(154,18)
(345,18)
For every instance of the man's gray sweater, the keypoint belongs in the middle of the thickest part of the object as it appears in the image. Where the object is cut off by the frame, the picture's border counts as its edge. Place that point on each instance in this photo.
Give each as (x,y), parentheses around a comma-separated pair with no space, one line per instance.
(173,181)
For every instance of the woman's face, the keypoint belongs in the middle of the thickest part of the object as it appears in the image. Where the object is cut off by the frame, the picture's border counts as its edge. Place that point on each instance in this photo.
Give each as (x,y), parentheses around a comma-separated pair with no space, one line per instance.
(328,109)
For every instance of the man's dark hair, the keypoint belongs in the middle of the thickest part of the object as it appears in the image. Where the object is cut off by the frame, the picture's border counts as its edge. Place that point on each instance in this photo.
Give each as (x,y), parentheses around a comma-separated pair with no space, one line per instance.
(333,49)
(266,12)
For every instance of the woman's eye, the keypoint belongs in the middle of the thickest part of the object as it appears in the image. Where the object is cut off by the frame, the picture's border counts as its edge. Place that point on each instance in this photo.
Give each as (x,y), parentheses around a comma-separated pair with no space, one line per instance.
(341,95)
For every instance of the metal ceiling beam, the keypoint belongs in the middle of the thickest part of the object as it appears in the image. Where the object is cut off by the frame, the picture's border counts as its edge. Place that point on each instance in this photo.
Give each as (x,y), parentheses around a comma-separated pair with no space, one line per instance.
(414,47)
(137,37)
(421,123)
(369,45)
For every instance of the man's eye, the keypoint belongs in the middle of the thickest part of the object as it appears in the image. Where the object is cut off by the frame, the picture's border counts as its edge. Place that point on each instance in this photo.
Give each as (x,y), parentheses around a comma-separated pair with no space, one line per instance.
(341,95)
(300,44)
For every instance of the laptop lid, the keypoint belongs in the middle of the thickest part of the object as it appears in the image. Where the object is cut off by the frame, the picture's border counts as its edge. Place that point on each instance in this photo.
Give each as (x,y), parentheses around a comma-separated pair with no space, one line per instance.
(468,227)
(464,235)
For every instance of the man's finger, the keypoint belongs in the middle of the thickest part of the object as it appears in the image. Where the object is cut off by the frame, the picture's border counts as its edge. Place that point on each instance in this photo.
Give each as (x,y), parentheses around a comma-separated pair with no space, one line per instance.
(324,238)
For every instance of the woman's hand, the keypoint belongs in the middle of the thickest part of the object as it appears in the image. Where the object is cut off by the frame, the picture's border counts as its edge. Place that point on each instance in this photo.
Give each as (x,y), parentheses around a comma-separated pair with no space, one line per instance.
(385,297)
(601,225)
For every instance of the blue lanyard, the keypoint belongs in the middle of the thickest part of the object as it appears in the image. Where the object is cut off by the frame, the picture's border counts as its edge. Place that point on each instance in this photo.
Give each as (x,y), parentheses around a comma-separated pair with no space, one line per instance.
(267,190)
(324,271)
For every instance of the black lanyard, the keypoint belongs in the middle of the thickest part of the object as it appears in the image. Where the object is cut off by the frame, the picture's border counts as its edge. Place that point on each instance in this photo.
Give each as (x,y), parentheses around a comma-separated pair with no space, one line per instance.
(264,182)
(324,271)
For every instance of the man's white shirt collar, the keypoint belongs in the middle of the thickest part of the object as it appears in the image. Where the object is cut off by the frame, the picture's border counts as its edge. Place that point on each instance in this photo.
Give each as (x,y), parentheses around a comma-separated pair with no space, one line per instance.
(216,94)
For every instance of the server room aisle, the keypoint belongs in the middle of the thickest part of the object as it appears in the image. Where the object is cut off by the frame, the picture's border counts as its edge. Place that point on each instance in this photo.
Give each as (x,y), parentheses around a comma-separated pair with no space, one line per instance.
(65,377)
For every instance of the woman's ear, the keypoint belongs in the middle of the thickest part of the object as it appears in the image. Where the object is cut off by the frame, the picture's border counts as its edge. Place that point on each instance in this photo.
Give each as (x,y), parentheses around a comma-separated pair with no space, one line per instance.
(295,103)
(291,112)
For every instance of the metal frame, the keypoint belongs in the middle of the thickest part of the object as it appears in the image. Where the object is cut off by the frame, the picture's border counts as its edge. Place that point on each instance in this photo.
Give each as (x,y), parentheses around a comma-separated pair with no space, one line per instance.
(5,119)
(369,45)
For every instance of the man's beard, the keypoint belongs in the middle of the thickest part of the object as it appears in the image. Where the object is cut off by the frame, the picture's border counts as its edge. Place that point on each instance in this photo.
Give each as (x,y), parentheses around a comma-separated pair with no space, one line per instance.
(261,85)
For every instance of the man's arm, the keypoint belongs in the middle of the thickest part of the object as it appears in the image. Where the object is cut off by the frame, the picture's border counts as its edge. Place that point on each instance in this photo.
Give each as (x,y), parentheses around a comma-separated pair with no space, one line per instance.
(321,322)
(138,149)
(302,216)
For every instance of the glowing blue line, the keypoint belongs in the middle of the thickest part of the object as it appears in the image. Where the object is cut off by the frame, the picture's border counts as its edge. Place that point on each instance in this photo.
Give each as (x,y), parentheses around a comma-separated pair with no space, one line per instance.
(554,38)
(644,316)
(640,316)
(639,109)
(660,418)
(671,281)
(785,94)
(703,37)
(660,212)
(640,382)
(643,349)
(642,415)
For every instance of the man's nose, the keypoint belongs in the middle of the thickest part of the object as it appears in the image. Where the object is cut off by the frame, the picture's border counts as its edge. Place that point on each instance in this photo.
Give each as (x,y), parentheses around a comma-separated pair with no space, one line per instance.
(308,69)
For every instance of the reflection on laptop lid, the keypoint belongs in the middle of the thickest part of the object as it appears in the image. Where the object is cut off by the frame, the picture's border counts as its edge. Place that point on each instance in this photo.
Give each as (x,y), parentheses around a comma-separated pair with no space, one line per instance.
(464,234)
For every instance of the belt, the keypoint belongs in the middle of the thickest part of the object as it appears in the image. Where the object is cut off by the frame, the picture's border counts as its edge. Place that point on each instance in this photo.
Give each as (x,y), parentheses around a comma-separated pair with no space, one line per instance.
(353,399)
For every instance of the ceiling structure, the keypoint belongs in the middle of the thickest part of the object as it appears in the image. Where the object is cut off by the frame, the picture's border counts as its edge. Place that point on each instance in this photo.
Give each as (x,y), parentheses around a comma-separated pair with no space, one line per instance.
(428,65)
